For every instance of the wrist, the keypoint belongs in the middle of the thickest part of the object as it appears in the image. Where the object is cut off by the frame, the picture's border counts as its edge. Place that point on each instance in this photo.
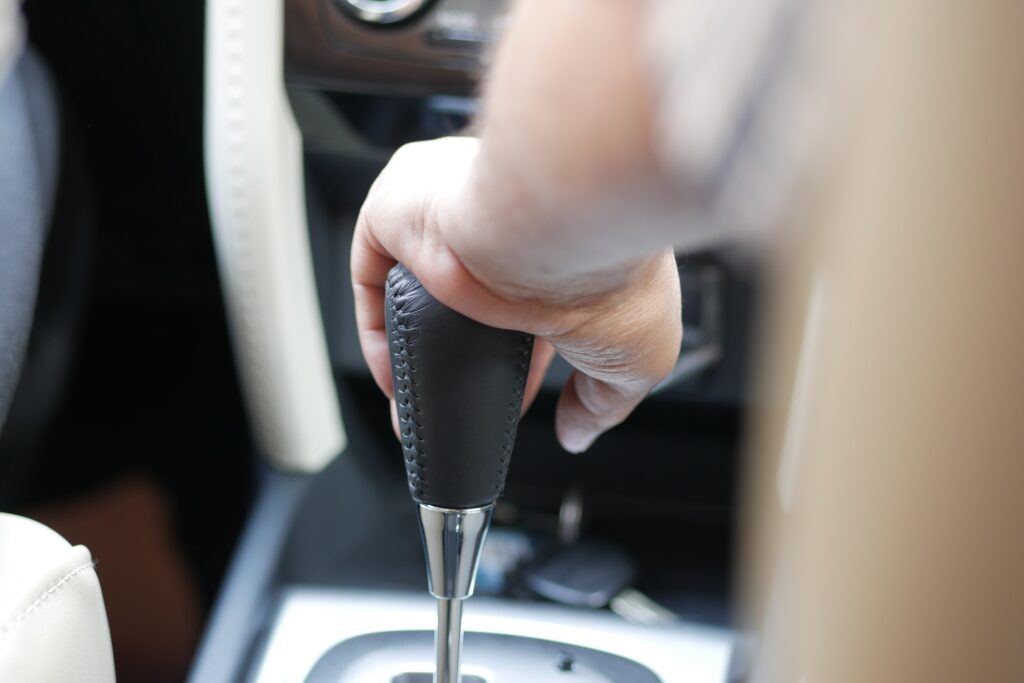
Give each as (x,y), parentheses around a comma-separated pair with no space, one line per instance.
(520,244)
(479,224)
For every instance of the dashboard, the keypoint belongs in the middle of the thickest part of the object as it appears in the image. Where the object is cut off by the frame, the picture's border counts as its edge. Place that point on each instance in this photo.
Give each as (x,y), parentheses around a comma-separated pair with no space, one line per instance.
(390,46)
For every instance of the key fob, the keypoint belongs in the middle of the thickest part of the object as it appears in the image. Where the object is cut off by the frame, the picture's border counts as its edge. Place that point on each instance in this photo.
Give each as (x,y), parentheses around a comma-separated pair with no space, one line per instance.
(584,574)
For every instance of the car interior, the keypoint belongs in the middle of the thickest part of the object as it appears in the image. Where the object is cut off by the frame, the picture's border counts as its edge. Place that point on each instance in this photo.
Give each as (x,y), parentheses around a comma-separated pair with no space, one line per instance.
(264,470)
(194,407)
(359,87)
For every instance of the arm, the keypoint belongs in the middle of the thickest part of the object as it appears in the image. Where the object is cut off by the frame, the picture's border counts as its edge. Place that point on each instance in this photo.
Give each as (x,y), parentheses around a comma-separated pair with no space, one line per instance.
(549,222)
(566,181)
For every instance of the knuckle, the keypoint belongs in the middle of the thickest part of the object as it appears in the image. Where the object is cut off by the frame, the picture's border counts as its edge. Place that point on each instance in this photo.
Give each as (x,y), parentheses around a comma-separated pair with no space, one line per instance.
(664,361)
(607,403)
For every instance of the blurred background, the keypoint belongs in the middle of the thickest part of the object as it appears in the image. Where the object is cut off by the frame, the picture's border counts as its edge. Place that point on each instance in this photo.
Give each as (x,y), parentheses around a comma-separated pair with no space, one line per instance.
(128,433)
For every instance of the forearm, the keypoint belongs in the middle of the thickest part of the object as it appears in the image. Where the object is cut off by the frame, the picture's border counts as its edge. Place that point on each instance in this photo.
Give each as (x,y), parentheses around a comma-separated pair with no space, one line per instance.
(566,157)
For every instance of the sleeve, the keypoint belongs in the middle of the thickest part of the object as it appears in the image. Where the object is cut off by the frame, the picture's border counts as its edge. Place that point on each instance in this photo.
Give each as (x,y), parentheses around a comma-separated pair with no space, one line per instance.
(742,90)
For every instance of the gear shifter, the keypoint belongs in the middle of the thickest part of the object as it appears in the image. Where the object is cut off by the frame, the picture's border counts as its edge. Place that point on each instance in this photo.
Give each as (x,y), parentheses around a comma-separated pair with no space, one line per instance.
(459,391)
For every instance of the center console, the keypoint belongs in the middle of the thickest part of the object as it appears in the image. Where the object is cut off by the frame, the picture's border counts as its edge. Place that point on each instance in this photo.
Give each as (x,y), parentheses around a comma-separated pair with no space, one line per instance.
(344,636)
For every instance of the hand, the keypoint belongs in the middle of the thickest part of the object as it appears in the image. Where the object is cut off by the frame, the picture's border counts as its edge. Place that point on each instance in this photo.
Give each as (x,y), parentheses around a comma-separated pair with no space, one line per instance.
(620,329)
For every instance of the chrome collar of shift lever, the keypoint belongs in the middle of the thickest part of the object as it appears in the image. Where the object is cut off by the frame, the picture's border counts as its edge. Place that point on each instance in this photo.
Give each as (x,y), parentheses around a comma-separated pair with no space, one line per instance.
(452,540)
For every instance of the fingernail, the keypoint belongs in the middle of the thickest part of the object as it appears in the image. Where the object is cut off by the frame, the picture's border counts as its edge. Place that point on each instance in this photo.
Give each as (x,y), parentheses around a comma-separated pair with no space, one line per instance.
(394,419)
(577,441)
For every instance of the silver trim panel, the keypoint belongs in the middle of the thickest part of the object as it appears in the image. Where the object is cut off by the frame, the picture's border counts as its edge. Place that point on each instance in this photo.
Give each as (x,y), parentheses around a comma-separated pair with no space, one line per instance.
(311,621)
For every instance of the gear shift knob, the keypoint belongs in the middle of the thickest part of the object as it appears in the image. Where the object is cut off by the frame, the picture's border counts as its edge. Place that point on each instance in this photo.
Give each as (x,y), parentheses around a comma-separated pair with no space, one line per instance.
(459,390)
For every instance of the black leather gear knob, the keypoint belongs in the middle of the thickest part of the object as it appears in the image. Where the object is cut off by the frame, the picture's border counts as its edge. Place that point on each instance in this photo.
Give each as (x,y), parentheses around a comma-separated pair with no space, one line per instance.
(459,390)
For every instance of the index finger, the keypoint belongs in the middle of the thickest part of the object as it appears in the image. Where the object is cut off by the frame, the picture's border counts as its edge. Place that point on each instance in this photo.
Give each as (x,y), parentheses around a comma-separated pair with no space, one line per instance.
(370,264)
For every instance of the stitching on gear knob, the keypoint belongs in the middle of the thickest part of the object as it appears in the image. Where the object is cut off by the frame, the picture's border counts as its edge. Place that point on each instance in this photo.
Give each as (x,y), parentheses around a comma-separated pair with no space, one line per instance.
(459,388)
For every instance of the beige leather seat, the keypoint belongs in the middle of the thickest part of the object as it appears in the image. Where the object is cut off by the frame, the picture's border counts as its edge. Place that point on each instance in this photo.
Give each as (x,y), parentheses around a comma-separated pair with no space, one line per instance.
(53,627)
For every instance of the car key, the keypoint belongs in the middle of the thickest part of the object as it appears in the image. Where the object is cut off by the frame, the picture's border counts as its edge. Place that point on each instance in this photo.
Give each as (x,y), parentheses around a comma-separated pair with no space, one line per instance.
(593,574)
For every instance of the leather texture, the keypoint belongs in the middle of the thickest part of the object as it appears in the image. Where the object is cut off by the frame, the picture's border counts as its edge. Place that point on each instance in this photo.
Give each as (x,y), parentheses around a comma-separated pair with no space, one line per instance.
(459,391)
(53,626)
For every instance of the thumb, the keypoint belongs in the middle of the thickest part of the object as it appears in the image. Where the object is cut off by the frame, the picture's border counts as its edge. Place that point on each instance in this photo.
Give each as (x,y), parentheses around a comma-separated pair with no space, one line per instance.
(589,407)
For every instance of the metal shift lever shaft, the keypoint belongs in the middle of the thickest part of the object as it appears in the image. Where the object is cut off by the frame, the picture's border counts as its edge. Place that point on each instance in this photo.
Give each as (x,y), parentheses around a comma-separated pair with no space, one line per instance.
(459,391)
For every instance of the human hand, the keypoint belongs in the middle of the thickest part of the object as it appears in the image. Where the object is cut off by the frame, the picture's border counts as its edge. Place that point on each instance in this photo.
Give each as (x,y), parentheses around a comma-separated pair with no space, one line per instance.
(620,328)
